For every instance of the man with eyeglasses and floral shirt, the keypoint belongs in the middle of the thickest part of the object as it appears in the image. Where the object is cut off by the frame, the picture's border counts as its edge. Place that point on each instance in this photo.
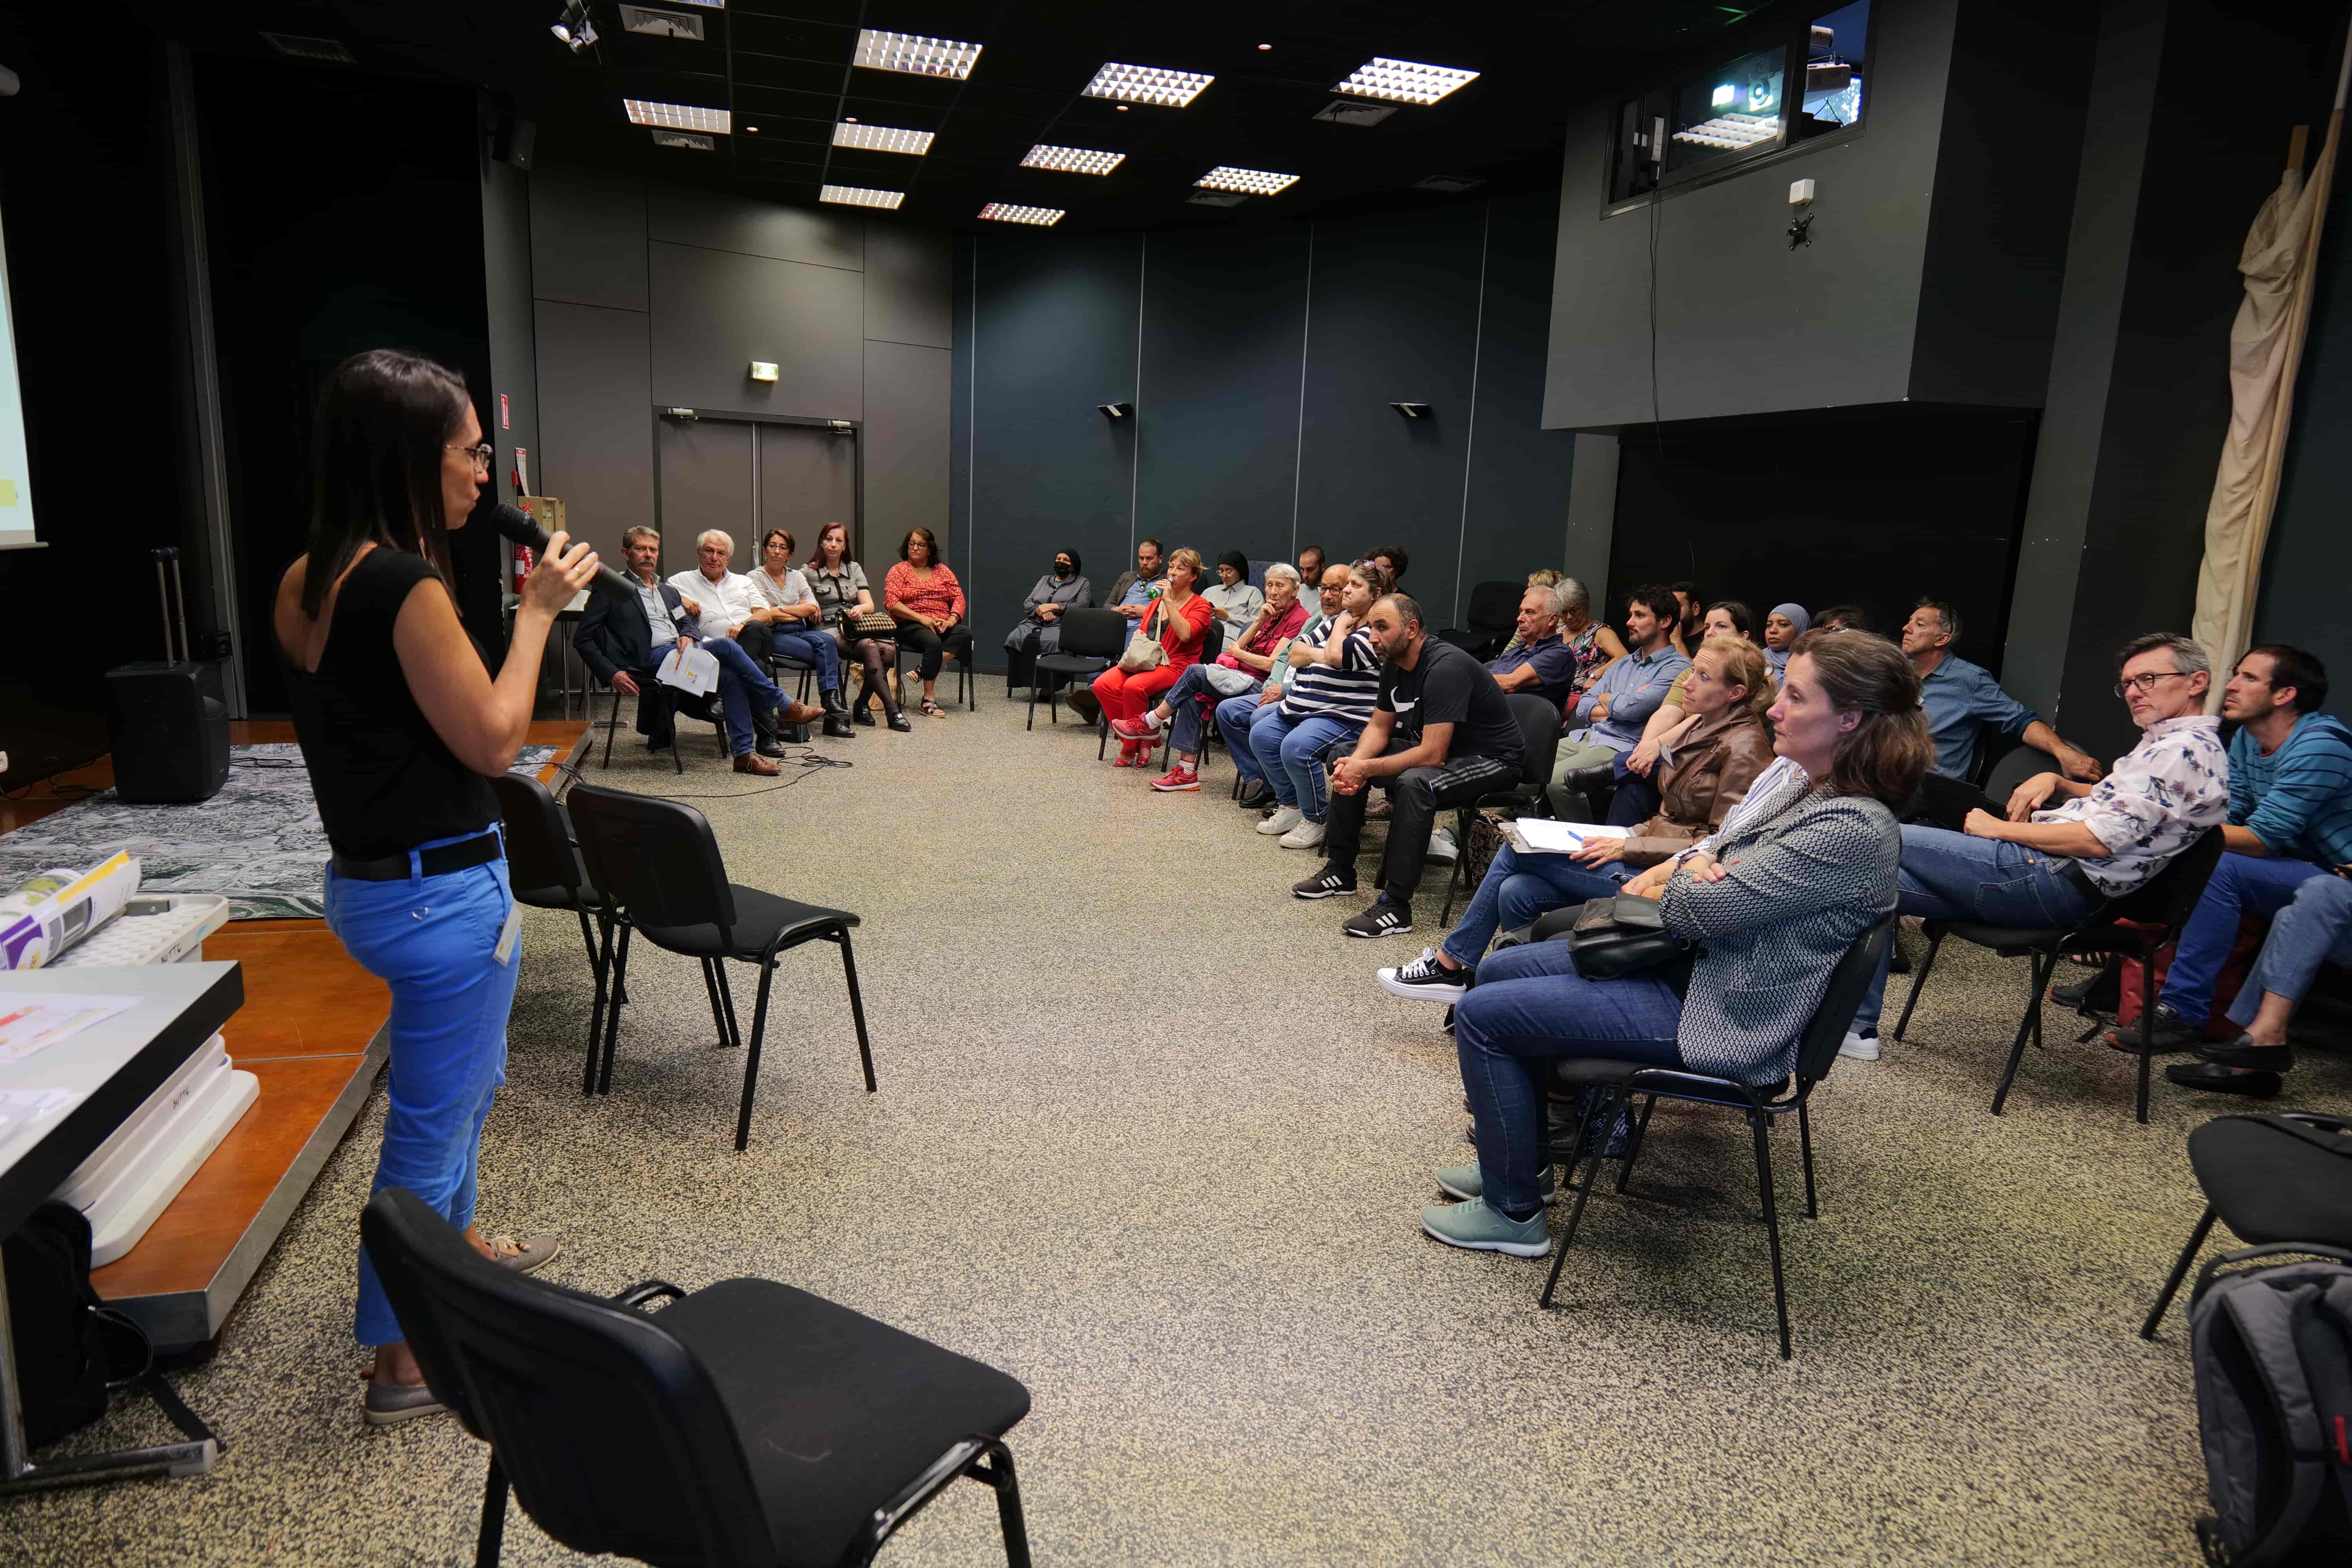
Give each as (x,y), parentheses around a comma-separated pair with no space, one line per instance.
(2051,867)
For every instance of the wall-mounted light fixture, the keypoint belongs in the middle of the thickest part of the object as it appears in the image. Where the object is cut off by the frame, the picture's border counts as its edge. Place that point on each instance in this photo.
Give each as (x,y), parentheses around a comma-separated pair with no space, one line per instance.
(1412,410)
(679,413)
(763,370)
(1117,410)
(840,427)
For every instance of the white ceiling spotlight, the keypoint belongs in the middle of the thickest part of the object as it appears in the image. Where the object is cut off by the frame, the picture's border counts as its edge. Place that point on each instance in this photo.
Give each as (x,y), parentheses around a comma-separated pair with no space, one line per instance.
(678,116)
(858,197)
(1146,84)
(572,29)
(1072,160)
(1404,81)
(915,55)
(1008,211)
(881,138)
(1248,182)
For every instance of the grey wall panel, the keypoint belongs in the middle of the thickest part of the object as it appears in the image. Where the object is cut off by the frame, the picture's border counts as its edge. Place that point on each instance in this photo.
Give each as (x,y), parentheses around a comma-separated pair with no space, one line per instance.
(706,482)
(680,214)
(595,419)
(514,358)
(1218,407)
(2310,556)
(906,440)
(1395,307)
(959,412)
(1056,335)
(587,238)
(808,477)
(908,274)
(716,311)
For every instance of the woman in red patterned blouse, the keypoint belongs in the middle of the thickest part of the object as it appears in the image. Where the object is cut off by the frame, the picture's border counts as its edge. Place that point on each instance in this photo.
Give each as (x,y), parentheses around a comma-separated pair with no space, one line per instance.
(923,596)
(1182,618)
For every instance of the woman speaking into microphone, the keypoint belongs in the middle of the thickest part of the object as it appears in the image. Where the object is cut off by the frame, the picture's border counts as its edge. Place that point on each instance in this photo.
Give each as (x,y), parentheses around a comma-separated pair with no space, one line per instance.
(403,727)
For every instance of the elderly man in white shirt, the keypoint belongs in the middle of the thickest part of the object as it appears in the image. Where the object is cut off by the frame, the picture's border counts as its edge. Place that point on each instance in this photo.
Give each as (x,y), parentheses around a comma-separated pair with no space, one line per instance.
(2044,866)
(732,608)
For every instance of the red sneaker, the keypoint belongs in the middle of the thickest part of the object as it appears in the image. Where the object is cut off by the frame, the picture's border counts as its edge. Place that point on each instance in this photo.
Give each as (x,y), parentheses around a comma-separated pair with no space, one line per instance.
(1178,778)
(1143,729)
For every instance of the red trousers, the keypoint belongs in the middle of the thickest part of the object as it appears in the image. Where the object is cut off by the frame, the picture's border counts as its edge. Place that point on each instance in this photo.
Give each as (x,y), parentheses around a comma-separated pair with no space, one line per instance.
(1131,697)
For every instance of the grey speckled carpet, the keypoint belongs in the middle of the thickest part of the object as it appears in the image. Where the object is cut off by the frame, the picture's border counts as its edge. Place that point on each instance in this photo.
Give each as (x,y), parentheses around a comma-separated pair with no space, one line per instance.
(1149,1138)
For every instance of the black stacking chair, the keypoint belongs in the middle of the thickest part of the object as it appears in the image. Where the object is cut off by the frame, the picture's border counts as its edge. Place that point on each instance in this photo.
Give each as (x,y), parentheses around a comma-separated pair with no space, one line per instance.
(781,664)
(1817,1052)
(1492,617)
(655,864)
(2281,1181)
(746,1422)
(544,870)
(2133,926)
(958,647)
(1539,739)
(705,708)
(1092,641)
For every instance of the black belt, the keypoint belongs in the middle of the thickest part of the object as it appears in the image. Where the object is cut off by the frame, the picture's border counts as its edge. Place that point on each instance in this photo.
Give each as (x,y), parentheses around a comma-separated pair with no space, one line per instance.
(2072,872)
(439,860)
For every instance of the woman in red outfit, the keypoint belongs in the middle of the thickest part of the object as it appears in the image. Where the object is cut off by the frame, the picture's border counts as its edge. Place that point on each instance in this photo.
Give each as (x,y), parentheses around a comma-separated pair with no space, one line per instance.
(923,596)
(1182,618)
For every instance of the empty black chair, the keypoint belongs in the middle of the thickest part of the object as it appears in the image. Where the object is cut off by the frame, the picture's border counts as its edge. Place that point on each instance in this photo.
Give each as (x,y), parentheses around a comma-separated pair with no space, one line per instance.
(679,705)
(1817,1052)
(745,1423)
(1491,617)
(2281,1181)
(655,863)
(1539,739)
(1092,641)
(544,870)
(2133,926)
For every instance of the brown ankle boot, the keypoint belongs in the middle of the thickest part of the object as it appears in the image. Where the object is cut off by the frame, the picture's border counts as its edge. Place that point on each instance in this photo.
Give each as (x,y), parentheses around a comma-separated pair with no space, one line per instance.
(753,763)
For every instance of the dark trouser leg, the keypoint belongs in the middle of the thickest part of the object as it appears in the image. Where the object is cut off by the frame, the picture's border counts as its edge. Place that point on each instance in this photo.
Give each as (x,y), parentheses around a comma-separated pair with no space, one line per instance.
(1343,830)
(924,643)
(874,656)
(1419,795)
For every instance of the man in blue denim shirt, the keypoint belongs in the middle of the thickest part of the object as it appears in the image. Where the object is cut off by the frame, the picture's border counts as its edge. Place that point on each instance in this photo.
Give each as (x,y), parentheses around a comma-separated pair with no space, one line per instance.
(1958,696)
(1613,711)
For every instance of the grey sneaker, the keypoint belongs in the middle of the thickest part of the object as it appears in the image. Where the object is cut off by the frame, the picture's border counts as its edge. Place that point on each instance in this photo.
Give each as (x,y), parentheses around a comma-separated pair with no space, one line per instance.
(389,1404)
(1467,1182)
(524,1254)
(1474,1226)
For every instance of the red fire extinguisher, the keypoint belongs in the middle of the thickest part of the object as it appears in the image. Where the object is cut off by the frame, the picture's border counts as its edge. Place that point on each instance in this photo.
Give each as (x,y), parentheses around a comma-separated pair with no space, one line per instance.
(522,564)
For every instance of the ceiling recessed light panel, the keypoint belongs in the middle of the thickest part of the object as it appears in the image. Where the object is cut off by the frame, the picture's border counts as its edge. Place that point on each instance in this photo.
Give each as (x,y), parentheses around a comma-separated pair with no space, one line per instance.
(1404,81)
(857,197)
(677,116)
(1248,182)
(1072,160)
(915,55)
(881,138)
(1006,212)
(1146,84)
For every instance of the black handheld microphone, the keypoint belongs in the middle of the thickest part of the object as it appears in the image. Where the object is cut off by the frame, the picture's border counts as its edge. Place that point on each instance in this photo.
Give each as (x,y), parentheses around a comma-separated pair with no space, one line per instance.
(523,529)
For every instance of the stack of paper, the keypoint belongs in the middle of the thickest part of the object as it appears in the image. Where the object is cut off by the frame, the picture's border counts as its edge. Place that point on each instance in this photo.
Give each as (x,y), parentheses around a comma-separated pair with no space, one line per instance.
(1542,836)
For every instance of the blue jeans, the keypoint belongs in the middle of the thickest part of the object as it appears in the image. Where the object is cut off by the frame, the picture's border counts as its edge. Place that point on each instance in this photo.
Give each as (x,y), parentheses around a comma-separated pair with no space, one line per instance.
(1948,875)
(1295,758)
(810,648)
(1530,1004)
(433,940)
(1183,701)
(2315,928)
(2240,884)
(1233,718)
(1519,888)
(743,689)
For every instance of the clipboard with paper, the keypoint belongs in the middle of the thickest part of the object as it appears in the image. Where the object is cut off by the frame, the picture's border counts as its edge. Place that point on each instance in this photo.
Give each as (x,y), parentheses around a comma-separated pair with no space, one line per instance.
(1543,836)
(692,670)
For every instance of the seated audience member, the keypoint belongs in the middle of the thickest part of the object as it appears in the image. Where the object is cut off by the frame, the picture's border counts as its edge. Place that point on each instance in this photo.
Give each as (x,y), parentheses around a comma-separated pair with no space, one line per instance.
(1726,617)
(1713,757)
(625,643)
(1281,737)
(921,593)
(1232,716)
(1844,618)
(1637,791)
(1609,717)
(1232,602)
(1782,628)
(1310,574)
(1779,902)
(1689,628)
(1541,578)
(2315,928)
(2040,868)
(2289,824)
(1442,730)
(1596,647)
(1131,596)
(1536,661)
(1391,559)
(1039,629)
(1960,696)
(843,595)
(796,626)
(731,609)
(1180,620)
(1238,676)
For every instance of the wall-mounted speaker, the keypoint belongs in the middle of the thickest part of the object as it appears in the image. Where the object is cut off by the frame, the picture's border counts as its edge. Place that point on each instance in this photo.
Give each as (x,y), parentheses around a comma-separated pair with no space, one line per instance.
(511,139)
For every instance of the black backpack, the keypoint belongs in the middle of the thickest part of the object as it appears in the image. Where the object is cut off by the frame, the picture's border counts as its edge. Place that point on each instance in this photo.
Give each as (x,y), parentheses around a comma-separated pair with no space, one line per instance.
(2272,1352)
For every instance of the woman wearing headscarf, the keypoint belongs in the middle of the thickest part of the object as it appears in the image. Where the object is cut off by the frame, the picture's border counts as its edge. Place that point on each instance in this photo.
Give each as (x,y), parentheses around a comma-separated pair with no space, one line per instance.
(1782,628)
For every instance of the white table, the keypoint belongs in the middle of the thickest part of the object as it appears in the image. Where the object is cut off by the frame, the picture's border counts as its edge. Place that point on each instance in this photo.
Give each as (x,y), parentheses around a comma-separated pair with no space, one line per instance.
(115,1063)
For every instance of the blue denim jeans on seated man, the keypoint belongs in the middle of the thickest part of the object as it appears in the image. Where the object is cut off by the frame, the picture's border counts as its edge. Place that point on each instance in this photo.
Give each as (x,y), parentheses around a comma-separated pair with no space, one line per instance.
(1183,701)
(744,688)
(1519,888)
(1948,875)
(2315,928)
(810,648)
(2241,884)
(1530,1004)
(434,941)
(1233,718)
(1296,758)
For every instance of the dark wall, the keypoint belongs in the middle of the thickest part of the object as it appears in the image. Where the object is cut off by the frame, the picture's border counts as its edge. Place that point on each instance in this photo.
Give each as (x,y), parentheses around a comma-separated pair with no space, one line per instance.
(514,349)
(1262,364)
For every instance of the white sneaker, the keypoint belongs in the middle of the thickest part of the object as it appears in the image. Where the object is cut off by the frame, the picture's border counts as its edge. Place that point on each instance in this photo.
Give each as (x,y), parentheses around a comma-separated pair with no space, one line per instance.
(1861,1048)
(1441,845)
(1282,821)
(1305,835)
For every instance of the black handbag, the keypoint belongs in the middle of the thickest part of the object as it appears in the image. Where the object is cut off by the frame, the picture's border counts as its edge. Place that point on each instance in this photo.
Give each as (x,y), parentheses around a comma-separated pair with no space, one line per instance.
(1624,934)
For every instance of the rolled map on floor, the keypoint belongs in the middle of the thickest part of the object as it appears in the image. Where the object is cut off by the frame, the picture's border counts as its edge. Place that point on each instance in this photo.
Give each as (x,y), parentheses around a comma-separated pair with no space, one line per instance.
(50,910)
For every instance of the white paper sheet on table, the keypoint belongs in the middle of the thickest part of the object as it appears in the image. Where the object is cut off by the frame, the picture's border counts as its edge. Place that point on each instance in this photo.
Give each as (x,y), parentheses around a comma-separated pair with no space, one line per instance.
(691,669)
(22,1110)
(1542,836)
(34,1020)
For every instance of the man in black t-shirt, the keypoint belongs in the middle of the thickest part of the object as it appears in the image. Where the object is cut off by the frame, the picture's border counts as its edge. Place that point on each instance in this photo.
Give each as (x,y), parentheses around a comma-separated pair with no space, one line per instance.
(1442,735)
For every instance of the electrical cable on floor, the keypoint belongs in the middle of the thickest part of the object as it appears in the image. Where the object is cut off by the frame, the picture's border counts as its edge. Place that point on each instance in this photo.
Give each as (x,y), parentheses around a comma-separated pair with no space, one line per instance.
(798,762)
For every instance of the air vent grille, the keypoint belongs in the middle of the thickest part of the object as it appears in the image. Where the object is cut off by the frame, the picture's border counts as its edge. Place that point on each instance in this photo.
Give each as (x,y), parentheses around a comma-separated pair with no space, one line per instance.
(301,48)
(661,24)
(1353,111)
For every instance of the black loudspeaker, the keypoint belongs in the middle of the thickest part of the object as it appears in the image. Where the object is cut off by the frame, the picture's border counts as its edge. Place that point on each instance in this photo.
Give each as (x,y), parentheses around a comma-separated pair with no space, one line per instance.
(169,731)
(511,140)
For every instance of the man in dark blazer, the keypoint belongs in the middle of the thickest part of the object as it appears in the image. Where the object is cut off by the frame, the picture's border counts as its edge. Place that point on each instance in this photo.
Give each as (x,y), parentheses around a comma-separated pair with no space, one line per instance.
(618,640)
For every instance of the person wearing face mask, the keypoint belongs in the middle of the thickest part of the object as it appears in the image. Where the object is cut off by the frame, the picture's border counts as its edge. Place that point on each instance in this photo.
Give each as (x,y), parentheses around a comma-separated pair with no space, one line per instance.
(1039,630)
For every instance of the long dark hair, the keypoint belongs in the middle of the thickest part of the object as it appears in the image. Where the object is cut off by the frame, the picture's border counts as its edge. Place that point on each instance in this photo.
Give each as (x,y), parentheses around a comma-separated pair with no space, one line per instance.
(930,546)
(375,463)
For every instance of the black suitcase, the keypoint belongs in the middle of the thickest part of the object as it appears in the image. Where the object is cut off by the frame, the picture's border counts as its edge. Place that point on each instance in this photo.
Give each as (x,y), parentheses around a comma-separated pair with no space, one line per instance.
(167,723)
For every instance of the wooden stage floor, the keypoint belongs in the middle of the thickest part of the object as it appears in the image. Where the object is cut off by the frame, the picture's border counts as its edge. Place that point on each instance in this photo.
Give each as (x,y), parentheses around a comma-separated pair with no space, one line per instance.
(311,1031)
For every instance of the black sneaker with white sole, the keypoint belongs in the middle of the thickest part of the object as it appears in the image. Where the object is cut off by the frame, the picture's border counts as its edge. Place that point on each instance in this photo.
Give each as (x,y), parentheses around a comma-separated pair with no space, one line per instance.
(1327,883)
(1385,918)
(1425,978)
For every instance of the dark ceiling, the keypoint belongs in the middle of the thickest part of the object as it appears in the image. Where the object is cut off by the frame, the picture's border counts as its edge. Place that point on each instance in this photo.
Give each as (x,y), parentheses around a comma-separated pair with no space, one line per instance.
(783,67)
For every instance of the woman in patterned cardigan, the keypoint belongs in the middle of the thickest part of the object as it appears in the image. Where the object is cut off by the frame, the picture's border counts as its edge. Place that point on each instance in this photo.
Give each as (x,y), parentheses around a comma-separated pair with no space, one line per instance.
(1777,899)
